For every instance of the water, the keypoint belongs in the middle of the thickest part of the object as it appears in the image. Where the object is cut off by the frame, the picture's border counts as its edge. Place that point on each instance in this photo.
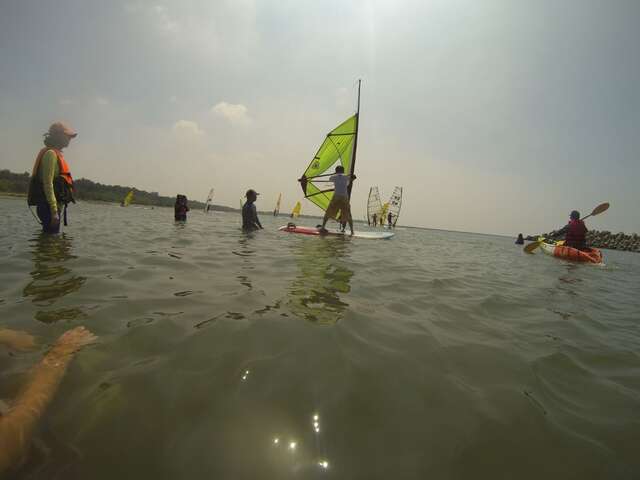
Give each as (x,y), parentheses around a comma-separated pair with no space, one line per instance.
(431,355)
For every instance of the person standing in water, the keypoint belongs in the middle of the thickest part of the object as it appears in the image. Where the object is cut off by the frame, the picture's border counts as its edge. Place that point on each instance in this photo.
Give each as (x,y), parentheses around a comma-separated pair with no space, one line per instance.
(181,208)
(51,184)
(340,199)
(520,239)
(250,221)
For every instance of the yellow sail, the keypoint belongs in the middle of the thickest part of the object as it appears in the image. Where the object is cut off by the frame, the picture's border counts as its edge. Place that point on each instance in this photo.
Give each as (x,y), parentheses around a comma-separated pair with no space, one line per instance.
(127,199)
(296,210)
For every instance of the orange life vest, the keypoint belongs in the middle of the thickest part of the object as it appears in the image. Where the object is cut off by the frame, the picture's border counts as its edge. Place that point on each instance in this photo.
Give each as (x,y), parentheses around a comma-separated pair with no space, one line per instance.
(62,186)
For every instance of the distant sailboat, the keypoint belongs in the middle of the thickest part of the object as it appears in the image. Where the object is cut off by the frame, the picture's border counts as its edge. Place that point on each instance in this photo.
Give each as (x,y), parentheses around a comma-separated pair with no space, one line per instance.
(296,210)
(127,199)
(276,212)
(374,207)
(394,206)
(208,205)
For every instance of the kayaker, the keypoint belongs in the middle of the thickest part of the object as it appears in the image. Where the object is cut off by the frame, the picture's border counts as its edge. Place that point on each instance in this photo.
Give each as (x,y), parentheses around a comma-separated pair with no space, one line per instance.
(181,208)
(575,232)
(520,239)
(340,199)
(250,221)
(51,185)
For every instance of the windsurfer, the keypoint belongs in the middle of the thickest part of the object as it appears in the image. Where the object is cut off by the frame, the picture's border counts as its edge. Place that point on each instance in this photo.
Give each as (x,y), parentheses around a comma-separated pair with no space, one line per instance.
(390,219)
(340,199)
(374,217)
(250,219)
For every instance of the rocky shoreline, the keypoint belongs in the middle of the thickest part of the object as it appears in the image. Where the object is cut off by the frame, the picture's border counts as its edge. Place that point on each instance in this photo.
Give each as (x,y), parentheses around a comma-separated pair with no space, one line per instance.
(605,239)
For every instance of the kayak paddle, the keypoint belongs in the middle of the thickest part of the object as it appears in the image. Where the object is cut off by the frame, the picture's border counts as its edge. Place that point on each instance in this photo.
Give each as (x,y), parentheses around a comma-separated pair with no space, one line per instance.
(603,207)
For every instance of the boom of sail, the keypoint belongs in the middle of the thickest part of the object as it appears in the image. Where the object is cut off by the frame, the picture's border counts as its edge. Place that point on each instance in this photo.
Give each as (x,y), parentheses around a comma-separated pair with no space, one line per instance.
(374,206)
(338,148)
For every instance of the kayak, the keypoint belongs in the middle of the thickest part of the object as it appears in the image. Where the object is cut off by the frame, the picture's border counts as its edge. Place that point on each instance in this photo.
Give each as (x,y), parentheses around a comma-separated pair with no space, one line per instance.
(591,255)
(332,233)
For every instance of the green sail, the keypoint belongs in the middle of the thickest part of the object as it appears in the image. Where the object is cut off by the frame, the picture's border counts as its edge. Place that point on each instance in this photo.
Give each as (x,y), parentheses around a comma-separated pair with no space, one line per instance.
(337,149)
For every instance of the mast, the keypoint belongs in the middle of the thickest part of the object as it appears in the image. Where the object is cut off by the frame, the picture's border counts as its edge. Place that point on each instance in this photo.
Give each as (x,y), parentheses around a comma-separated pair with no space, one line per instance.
(355,140)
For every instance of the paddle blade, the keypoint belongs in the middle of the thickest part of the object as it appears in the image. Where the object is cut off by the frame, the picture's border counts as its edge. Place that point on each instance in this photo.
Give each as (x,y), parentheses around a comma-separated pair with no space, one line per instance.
(531,247)
(603,207)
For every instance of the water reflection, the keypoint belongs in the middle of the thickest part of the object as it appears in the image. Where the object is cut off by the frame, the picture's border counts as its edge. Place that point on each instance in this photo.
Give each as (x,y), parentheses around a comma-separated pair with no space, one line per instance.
(245,251)
(315,294)
(51,277)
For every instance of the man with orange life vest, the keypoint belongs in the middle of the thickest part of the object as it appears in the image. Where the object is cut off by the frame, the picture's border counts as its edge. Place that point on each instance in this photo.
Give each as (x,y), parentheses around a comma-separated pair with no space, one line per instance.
(575,232)
(51,185)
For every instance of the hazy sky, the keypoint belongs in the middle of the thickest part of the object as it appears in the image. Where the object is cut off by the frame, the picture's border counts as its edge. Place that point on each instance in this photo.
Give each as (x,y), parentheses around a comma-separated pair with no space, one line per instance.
(496,116)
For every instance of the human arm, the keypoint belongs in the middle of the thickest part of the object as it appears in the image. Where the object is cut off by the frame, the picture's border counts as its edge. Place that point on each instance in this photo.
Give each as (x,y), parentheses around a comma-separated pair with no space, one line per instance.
(48,171)
(16,428)
(16,340)
(255,217)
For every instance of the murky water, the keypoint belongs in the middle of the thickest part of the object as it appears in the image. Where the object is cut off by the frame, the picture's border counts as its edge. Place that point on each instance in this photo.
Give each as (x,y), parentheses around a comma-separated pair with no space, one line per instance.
(272,356)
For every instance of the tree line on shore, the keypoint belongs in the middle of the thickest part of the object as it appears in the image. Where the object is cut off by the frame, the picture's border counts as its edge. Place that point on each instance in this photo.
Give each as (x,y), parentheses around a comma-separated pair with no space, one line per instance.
(85,189)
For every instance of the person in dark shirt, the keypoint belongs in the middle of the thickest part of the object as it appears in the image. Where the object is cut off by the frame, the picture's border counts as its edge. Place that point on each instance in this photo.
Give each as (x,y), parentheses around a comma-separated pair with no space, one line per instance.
(181,208)
(575,232)
(520,239)
(250,219)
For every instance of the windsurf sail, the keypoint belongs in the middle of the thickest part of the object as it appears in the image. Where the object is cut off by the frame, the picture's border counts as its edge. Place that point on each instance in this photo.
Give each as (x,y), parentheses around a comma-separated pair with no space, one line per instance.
(383,214)
(374,207)
(276,211)
(296,210)
(208,205)
(338,148)
(395,204)
(127,199)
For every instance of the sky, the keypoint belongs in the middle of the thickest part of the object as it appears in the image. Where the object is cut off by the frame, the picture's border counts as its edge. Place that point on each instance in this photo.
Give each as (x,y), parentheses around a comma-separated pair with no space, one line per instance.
(495,116)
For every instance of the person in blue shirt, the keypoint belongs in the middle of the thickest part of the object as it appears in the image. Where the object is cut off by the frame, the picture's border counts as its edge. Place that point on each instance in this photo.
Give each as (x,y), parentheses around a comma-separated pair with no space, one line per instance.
(250,221)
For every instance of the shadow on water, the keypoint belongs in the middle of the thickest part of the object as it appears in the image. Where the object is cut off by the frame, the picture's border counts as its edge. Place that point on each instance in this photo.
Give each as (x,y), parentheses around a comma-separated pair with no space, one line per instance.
(51,277)
(317,293)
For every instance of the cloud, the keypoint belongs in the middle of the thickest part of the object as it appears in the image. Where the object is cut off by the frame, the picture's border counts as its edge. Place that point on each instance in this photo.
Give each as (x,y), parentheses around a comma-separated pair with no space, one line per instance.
(102,101)
(66,101)
(164,19)
(235,114)
(187,128)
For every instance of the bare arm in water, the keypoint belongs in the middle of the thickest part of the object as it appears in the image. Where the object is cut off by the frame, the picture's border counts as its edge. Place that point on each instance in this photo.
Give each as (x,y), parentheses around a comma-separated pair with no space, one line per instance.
(16,340)
(16,428)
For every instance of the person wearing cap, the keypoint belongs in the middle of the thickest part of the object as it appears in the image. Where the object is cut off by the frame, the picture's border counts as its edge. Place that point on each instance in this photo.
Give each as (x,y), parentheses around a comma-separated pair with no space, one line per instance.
(51,184)
(250,219)
(575,232)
